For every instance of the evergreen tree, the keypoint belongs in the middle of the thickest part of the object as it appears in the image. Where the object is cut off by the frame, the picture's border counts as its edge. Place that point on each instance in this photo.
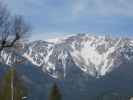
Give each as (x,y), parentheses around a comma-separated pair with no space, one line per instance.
(55,93)
(12,87)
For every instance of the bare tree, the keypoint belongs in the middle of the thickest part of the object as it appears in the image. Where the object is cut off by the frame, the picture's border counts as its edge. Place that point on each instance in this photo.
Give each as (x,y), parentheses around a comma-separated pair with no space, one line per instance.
(12,28)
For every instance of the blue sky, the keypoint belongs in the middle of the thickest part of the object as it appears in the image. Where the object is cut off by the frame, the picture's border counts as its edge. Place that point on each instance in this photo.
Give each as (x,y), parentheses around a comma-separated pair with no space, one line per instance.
(55,18)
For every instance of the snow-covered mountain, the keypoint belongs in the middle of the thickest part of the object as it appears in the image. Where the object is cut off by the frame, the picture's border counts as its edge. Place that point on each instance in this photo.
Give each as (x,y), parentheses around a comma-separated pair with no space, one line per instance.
(94,55)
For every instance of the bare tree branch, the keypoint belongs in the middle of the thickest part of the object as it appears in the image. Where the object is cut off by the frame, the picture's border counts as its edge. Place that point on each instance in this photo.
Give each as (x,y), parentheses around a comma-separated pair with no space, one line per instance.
(12,28)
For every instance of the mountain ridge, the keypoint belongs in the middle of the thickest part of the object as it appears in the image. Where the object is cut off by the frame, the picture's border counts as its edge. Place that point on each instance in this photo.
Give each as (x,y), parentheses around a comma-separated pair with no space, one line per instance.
(94,55)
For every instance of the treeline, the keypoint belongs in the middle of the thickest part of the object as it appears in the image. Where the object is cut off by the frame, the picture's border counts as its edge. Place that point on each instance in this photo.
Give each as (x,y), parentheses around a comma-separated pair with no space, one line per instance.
(19,92)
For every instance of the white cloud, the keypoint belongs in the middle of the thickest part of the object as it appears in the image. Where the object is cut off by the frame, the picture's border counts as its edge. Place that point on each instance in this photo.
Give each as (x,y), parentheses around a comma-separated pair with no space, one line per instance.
(48,35)
(78,6)
(103,7)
